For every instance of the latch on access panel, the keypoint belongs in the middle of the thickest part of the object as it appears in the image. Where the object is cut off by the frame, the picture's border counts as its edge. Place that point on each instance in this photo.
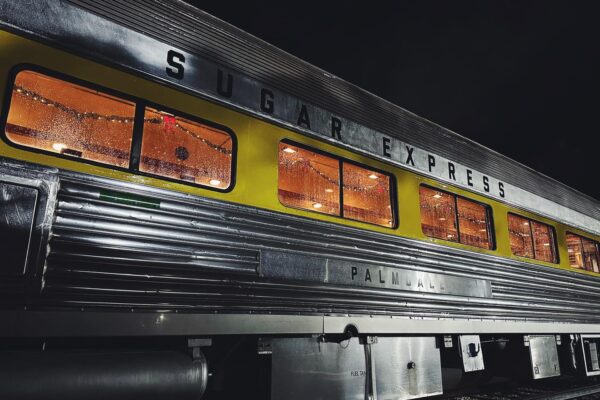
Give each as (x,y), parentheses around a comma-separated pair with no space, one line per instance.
(474,349)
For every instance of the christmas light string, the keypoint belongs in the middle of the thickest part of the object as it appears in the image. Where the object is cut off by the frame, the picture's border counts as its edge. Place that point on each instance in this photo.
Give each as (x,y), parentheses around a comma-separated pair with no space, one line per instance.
(113,118)
(335,182)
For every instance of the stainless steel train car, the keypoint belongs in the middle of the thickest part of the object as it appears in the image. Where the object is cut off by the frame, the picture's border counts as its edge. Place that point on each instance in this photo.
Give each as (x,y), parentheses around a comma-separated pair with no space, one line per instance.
(189,212)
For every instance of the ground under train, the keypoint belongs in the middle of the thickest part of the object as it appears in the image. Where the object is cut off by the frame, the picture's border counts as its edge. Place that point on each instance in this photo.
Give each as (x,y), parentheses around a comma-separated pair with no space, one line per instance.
(182,201)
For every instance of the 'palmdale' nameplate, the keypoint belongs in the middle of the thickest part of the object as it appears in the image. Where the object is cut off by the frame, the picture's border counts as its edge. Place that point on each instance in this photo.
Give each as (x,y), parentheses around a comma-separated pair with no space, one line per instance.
(277,264)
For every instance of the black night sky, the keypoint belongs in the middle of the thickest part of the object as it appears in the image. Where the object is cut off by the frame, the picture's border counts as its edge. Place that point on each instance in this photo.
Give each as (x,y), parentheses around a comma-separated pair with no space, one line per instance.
(520,77)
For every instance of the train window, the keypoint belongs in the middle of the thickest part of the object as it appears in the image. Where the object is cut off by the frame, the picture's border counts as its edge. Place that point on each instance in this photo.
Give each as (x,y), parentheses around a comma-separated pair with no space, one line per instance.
(473,223)
(591,256)
(454,218)
(367,195)
(311,180)
(543,242)
(308,180)
(53,115)
(521,242)
(438,214)
(531,239)
(181,149)
(583,253)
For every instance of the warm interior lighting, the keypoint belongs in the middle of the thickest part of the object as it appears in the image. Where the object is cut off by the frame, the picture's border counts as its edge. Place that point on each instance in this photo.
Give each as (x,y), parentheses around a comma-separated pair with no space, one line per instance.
(312,181)
(59,146)
(531,239)
(180,148)
(583,252)
(308,180)
(366,195)
(449,217)
(50,114)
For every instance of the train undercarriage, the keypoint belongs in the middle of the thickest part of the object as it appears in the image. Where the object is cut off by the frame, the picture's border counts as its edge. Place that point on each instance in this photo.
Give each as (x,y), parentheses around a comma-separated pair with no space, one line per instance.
(346,366)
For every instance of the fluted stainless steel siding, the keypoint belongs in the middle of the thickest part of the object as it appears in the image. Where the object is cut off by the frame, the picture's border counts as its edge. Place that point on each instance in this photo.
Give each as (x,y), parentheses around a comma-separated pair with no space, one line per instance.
(197,254)
(181,25)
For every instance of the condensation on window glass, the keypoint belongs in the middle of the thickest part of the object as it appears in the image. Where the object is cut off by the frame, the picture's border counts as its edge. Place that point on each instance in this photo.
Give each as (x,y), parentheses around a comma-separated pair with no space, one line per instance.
(308,180)
(367,195)
(473,223)
(519,230)
(543,240)
(61,117)
(591,258)
(177,148)
(438,214)
(575,250)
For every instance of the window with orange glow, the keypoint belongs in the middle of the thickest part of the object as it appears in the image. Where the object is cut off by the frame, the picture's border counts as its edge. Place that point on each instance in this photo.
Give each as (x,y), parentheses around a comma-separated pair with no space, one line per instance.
(531,239)
(181,149)
(367,195)
(521,242)
(583,253)
(575,250)
(543,242)
(591,256)
(56,116)
(456,219)
(473,223)
(311,180)
(438,214)
(308,180)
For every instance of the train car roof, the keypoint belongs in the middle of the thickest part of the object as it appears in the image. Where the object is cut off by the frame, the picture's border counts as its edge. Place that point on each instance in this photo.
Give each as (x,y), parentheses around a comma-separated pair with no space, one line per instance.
(181,25)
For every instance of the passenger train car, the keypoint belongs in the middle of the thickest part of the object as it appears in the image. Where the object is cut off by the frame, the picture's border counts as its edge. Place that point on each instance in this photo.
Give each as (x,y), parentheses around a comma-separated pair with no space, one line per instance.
(189,212)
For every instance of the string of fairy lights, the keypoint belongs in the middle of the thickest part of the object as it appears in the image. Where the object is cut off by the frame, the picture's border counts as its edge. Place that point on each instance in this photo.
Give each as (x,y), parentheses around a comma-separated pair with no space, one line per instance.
(79,115)
(335,182)
(447,212)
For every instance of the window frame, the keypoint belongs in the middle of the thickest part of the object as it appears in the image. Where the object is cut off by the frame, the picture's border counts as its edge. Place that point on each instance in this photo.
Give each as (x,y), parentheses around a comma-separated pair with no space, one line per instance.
(488,211)
(341,160)
(581,237)
(140,106)
(139,136)
(554,239)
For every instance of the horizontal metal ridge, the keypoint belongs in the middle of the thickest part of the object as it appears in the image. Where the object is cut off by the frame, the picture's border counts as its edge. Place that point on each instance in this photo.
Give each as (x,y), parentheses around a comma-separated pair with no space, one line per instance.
(204,255)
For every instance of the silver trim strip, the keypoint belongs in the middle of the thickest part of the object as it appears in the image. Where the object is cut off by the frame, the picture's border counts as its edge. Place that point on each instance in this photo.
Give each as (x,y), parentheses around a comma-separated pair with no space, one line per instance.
(406,326)
(85,323)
